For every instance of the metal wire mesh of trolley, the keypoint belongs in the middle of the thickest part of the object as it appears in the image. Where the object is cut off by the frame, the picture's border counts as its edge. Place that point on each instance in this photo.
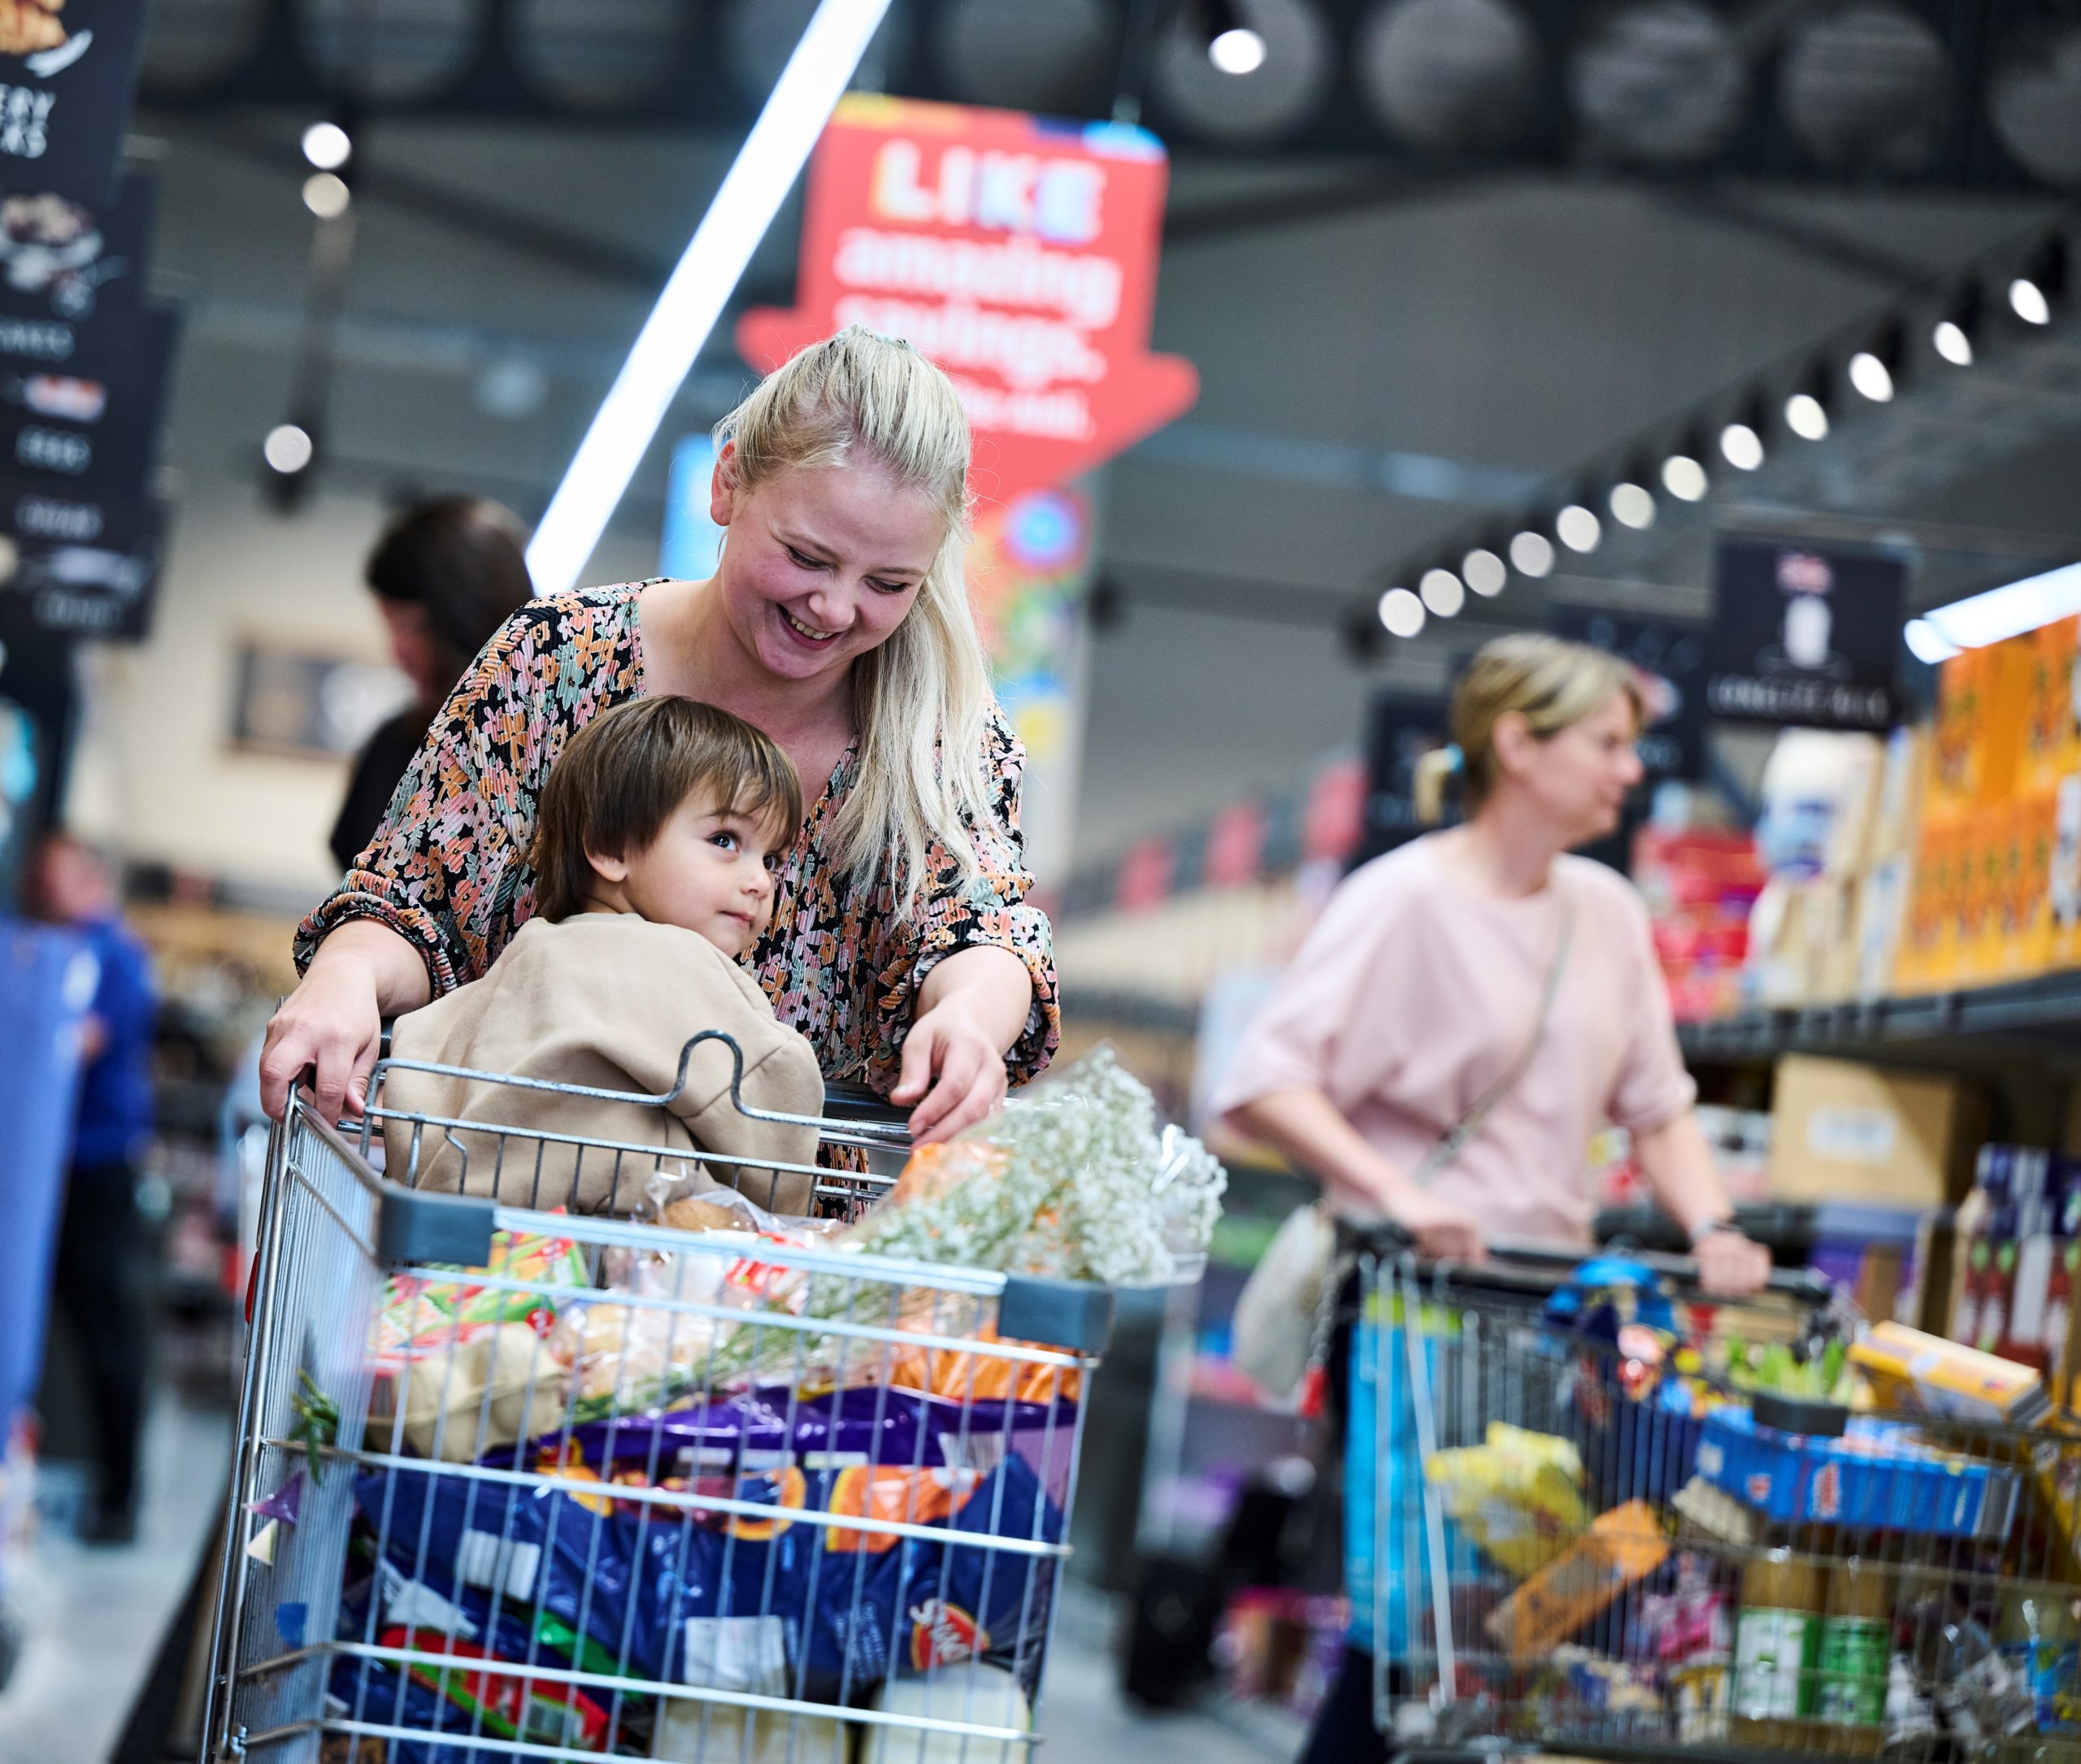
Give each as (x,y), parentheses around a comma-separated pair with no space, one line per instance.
(1561,1541)
(512,1482)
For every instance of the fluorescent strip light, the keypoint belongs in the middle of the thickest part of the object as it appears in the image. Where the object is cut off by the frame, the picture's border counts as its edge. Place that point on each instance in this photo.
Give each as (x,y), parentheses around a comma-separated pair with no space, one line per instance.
(758,182)
(1973,622)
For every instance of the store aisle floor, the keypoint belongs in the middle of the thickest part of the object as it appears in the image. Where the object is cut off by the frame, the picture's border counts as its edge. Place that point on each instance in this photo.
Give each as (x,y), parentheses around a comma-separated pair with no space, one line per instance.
(92,1618)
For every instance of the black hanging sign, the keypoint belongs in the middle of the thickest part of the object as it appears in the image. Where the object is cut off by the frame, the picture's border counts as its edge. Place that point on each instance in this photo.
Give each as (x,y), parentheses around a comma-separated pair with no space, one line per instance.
(1670,657)
(89,430)
(68,76)
(104,587)
(1805,635)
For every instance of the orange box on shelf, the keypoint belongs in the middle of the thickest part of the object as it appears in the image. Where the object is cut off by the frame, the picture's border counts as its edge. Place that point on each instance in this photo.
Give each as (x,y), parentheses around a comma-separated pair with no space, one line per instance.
(2052,738)
(1928,947)
(2063,885)
(1981,866)
(1955,744)
(2030,943)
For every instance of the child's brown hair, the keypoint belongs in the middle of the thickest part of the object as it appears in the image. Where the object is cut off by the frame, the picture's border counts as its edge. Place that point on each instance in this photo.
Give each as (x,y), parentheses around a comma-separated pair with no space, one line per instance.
(621,777)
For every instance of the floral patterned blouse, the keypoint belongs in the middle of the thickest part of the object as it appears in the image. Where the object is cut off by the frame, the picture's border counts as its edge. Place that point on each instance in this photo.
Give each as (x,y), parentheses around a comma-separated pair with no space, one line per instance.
(447,868)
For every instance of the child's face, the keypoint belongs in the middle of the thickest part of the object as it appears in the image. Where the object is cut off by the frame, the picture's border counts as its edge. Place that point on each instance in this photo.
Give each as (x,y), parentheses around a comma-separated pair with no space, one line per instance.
(710,871)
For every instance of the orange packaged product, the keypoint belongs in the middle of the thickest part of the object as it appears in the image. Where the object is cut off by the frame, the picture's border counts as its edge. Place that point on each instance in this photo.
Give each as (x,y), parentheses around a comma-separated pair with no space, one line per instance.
(1954,747)
(964,1376)
(1929,941)
(1622,1547)
(2050,736)
(2030,922)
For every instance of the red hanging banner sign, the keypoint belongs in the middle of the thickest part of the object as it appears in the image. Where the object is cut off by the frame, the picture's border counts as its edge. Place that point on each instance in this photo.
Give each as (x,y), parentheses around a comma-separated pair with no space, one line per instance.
(1018,254)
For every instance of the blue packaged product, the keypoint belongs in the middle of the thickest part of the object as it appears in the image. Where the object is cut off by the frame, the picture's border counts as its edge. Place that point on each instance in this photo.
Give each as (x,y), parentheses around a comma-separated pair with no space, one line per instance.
(1878,1476)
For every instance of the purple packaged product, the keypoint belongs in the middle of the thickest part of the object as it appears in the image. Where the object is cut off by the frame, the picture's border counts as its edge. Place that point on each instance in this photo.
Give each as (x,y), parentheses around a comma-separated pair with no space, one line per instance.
(646,1585)
(864,1424)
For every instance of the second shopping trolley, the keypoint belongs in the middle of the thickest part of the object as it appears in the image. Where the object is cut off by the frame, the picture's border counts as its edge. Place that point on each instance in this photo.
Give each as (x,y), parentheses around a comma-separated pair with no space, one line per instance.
(1590,1513)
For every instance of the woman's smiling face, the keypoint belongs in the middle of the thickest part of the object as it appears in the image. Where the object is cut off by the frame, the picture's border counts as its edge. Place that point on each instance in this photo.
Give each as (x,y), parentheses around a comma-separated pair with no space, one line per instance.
(821,565)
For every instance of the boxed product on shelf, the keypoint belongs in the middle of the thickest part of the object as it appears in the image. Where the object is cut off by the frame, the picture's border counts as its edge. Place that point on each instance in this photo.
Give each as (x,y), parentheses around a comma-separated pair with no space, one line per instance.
(1841,1130)
(1700,885)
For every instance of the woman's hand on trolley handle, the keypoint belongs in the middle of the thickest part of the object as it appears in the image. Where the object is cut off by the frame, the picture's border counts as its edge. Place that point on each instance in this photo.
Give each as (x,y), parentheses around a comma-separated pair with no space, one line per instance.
(331,1026)
(1729,1265)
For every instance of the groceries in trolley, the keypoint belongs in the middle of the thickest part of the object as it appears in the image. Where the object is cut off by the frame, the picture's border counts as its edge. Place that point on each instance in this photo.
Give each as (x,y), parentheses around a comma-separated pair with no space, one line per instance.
(1617,1516)
(711,1482)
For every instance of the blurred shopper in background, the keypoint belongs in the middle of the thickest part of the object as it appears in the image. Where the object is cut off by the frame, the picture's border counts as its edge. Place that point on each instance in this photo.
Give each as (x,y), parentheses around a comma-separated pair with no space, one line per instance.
(99,1279)
(838,622)
(1480,981)
(447,574)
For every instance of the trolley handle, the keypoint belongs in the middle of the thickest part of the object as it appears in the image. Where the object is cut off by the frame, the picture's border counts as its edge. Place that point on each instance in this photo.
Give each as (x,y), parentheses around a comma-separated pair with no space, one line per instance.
(1534,1263)
(854,1115)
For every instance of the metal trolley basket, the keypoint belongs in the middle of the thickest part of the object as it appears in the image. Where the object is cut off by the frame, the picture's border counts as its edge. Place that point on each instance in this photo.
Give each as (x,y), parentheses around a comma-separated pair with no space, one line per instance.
(759,1501)
(1555,1544)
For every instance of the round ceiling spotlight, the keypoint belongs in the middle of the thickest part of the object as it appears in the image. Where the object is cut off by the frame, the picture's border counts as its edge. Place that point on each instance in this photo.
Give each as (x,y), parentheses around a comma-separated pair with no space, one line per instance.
(603,54)
(1952,337)
(1450,76)
(1236,51)
(1047,55)
(1632,504)
(1484,572)
(1270,100)
(1443,593)
(1741,447)
(391,51)
(2035,103)
(328,146)
(2041,284)
(1866,87)
(1401,613)
(326,195)
(191,45)
(1663,81)
(1579,529)
(1684,478)
(1871,377)
(1531,553)
(1806,416)
(288,449)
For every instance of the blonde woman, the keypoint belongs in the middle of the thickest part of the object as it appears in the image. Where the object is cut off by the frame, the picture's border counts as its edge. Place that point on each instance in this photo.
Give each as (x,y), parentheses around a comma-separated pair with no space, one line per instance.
(1420,1004)
(837,621)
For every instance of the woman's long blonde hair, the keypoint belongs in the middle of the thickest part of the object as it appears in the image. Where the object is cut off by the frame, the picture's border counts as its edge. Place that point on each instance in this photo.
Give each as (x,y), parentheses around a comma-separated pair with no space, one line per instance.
(922,698)
(1550,683)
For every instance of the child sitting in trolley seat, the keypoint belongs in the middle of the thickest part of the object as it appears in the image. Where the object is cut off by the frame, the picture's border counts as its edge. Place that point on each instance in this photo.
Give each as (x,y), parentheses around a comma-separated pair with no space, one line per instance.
(659,830)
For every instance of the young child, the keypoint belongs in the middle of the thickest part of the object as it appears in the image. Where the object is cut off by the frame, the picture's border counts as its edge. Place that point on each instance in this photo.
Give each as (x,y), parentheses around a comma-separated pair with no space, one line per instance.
(659,830)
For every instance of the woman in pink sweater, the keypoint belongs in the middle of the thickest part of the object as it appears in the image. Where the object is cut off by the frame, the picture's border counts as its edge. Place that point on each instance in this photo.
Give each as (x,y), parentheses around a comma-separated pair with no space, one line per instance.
(1420,988)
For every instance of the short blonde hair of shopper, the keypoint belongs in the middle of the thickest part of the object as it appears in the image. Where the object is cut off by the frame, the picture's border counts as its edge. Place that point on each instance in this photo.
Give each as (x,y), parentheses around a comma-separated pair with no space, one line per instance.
(626,773)
(921,698)
(1552,683)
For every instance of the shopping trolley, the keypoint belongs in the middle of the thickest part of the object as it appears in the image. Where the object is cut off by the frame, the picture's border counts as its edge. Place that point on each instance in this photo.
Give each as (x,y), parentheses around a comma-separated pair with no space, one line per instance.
(758,1500)
(1563,1538)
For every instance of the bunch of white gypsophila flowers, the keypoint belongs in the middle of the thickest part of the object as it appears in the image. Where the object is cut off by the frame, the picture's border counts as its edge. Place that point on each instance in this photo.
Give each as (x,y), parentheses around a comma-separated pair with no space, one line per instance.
(1073,1180)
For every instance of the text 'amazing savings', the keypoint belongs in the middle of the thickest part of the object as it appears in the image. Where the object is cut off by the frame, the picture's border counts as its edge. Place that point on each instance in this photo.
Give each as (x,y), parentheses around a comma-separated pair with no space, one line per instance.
(1019,254)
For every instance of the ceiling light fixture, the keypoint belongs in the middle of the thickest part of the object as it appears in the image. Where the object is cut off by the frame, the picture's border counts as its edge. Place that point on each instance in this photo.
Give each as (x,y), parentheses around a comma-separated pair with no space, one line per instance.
(1531,553)
(1484,572)
(1579,529)
(328,146)
(1632,504)
(752,189)
(2040,287)
(1684,478)
(1231,44)
(1401,613)
(1442,592)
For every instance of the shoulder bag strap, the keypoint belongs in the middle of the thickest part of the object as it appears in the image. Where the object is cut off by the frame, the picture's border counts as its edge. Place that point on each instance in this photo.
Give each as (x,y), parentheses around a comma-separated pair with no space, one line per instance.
(1471,1124)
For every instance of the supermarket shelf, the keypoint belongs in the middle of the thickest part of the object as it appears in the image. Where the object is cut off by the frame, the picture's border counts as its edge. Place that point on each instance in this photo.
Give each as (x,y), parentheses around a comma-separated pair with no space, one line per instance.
(2044,1013)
